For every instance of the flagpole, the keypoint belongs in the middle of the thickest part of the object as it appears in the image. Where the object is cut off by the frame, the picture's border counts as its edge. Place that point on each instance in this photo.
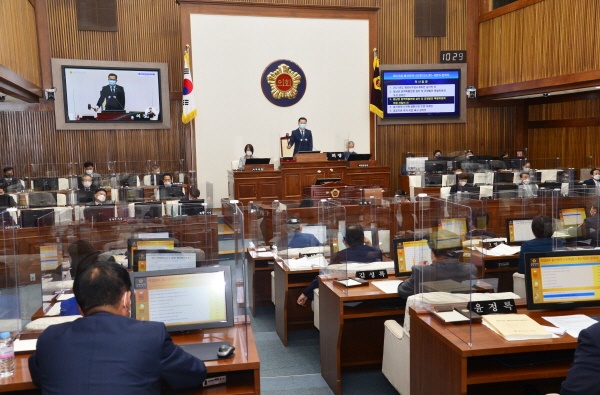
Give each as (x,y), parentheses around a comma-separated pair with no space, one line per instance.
(375,55)
(190,132)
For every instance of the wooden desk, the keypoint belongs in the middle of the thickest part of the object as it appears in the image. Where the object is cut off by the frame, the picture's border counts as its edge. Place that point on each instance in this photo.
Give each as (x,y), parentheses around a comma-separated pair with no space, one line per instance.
(243,373)
(461,368)
(500,267)
(288,287)
(259,280)
(351,336)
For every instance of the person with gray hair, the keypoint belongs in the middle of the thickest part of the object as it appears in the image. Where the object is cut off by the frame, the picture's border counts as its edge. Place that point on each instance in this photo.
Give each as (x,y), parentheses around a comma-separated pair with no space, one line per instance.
(297,239)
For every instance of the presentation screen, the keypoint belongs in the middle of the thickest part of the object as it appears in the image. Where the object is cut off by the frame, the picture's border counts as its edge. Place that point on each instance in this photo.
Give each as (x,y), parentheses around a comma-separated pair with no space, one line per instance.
(423,93)
(110,95)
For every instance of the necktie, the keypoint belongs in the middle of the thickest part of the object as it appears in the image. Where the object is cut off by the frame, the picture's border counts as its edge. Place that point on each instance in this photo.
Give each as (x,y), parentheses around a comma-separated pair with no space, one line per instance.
(112,89)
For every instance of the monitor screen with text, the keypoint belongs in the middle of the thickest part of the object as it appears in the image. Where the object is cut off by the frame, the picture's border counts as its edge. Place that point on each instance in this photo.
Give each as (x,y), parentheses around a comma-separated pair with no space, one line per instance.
(184,299)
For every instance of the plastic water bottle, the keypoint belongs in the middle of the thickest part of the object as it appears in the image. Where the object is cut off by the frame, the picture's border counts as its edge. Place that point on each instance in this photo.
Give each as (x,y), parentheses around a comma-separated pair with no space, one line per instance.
(7,355)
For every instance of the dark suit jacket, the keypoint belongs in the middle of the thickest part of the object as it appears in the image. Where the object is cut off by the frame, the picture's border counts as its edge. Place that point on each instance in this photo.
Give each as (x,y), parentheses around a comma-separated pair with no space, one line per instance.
(590,182)
(445,269)
(542,244)
(455,188)
(584,375)
(114,101)
(360,253)
(109,354)
(299,143)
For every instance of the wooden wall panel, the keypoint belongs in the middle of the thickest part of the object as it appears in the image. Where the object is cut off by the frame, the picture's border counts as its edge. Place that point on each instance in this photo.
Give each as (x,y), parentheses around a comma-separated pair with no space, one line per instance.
(149,30)
(19,41)
(565,110)
(576,147)
(547,39)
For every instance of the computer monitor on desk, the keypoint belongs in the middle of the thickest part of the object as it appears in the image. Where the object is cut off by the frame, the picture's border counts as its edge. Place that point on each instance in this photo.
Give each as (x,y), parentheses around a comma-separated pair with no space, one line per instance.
(158,259)
(45,184)
(184,299)
(519,230)
(42,199)
(357,157)
(506,191)
(562,279)
(407,253)
(39,217)
(258,161)
(171,193)
(192,207)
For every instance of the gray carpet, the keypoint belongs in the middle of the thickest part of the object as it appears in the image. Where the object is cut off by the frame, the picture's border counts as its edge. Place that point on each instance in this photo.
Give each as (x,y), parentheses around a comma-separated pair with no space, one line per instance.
(297,367)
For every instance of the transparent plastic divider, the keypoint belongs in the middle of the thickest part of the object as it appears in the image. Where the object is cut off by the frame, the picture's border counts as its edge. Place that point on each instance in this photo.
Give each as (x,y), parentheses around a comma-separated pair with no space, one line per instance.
(446,277)
(332,223)
(239,269)
(15,283)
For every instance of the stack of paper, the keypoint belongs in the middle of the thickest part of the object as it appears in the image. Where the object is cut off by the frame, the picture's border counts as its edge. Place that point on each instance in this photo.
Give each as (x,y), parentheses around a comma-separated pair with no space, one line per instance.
(499,250)
(516,327)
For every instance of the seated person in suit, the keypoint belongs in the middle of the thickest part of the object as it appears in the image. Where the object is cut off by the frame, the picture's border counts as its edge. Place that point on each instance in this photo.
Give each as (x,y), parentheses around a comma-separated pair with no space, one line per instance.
(248,151)
(583,377)
(297,239)
(594,180)
(95,212)
(404,170)
(192,209)
(11,183)
(526,187)
(167,190)
(444,266)
(590,227)
(349,150)
(542,227)
(358,249)
(140,355)
(463,181)
(480,220)
(86,193)
(6,200)
(88,168)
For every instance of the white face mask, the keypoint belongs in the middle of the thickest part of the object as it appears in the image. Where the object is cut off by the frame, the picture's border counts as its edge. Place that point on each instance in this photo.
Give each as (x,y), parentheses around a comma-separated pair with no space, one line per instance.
(526,182)
(597,177)
(89,172)
(87,184)
(350,150)
(167,183)
(248,153)
(462,183)
(101,198)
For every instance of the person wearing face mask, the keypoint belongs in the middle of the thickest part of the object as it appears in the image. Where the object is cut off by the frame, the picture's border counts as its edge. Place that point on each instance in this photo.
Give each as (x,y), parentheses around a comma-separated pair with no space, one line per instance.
(85,194)
(594,180)
(140,355)
(437,154)
(169,192)
(11,183)
(249,151)
(349,150)
(526,187)
(89,170)
(462,182)
(112,96)
(590,228)
(301,138)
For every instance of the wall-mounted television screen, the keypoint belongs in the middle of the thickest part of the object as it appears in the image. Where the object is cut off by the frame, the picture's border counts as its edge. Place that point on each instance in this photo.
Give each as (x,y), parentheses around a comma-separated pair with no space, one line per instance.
(92,94)
(423,93)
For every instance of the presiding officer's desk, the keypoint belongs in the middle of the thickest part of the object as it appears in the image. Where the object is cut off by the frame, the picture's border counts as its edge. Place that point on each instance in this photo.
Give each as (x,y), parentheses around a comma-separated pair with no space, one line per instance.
(457,367)
(353,336)
(243,373)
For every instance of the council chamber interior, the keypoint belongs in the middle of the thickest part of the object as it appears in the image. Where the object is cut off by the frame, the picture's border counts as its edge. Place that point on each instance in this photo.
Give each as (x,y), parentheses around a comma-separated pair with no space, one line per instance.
(471,182)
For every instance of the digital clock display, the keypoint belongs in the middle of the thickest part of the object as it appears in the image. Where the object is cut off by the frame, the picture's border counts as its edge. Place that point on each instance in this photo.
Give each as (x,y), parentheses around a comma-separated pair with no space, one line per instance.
(453,56)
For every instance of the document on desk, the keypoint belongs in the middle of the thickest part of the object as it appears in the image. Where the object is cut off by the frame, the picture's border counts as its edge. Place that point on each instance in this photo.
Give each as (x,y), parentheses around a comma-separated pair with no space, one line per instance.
(54,310)
(388,286)
(573,323)
(62,297)
(499,250)
(515,327)
(25,345)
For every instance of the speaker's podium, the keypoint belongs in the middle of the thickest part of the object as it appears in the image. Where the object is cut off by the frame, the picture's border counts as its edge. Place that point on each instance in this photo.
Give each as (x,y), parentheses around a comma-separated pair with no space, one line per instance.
(107,115)
(332,190)
(312,156)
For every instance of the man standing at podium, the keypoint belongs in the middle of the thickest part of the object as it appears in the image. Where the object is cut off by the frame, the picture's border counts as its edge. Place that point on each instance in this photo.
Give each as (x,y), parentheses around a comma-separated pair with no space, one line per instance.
(301,138)
(112,95)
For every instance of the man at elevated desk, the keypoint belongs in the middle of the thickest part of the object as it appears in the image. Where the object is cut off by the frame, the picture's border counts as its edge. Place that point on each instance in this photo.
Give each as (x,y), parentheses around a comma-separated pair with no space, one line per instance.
(301,138)
(594,180)
(167,191)
(526,187)
(106,351)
